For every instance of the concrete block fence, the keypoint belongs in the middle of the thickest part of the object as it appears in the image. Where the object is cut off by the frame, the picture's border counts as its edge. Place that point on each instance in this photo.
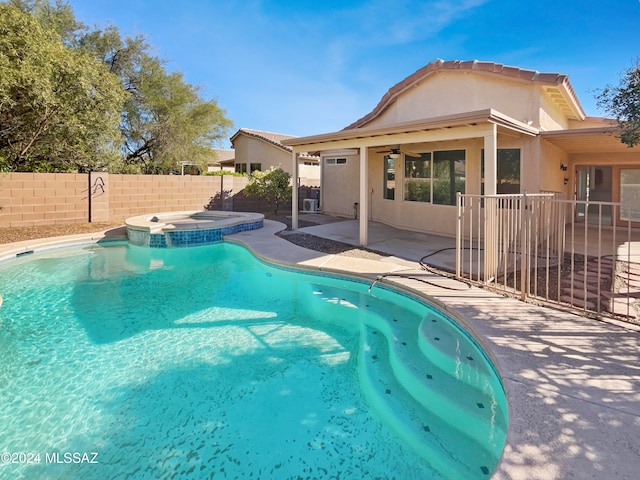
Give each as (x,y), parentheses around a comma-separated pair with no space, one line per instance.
(33,199)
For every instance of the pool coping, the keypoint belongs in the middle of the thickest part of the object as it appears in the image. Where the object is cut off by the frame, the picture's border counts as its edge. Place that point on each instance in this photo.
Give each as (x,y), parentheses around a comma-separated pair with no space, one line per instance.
(572,383)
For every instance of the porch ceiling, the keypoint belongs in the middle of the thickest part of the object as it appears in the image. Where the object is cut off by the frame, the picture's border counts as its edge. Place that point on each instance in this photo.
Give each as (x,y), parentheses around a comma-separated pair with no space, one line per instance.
(588,140)
(450,127)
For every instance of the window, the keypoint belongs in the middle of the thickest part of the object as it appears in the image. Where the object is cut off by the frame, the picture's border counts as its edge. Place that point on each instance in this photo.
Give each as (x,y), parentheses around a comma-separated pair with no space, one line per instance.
(255,167)
(389,186)
(630,194)
(417,178)
(448,176)
(241,168)
(434,178)
(335,161)
(508,174)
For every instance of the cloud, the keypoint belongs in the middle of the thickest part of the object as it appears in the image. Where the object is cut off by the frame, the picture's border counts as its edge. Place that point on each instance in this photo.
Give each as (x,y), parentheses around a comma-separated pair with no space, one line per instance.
(391,23)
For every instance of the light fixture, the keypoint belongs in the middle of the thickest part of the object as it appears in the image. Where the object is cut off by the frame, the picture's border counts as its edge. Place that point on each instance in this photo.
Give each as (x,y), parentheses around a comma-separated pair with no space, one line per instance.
(564,167)
(566,180)
(394,156)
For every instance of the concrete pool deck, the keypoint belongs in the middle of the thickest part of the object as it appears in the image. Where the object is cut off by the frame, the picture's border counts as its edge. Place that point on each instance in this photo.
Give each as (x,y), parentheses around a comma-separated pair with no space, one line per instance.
(572,383)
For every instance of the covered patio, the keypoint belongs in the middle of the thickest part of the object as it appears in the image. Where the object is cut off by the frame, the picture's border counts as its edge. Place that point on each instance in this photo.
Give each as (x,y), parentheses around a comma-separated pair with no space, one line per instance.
(486,125)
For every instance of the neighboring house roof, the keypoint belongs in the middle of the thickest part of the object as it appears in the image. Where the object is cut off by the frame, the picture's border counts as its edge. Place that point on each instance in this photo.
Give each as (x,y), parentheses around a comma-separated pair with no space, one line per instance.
(555,85)
(224,157)
(272,138)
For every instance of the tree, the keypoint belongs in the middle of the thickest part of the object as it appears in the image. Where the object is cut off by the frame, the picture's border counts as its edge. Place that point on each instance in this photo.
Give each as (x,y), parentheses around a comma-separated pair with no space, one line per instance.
(272,186)
(73,97)
(623,103)
(59,108)
(165,120)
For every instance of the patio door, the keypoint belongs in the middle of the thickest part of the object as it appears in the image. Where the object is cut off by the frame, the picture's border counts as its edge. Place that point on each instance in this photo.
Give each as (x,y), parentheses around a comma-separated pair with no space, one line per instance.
(594,183)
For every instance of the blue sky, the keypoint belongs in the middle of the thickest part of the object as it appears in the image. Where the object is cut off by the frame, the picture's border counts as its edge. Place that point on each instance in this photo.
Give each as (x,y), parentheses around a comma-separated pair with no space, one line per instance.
(308,67)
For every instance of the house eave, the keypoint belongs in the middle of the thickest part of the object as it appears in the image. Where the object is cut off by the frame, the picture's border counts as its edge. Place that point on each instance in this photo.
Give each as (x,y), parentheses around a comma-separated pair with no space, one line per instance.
(605,139)
(385,135)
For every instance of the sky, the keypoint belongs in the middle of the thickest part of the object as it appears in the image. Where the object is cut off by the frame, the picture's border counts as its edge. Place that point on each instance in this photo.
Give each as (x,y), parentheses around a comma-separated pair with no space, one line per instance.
(303,67)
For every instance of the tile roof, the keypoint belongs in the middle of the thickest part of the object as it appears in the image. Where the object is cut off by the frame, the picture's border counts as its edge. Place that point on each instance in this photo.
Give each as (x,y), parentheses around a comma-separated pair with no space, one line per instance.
(551,79)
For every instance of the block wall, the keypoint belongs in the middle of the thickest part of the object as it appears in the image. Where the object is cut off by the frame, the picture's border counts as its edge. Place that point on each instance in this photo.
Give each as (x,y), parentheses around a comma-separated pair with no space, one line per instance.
(32,199)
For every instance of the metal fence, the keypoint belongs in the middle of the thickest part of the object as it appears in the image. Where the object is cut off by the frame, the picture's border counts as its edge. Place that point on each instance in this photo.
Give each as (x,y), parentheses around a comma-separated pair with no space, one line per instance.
(547,249)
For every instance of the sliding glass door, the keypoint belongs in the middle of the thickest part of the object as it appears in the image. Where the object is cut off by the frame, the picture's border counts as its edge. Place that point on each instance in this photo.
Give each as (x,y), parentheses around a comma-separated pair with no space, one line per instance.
(594,184)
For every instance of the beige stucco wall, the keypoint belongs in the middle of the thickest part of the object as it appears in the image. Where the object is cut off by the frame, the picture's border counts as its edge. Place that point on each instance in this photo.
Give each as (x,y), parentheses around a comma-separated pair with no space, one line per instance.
(447,93)
(344,190)
(254,150)
(549,176)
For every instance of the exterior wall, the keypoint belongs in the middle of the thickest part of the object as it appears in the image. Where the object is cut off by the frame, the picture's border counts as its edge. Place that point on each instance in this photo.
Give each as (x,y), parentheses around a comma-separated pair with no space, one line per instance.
(448,93)
(254,150)
(549,115)
(549,175)
(343,180)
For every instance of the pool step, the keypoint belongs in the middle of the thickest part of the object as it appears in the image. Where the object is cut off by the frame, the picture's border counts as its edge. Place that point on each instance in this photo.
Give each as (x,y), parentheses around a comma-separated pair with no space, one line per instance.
(425,432)
(446,346)
(450,391)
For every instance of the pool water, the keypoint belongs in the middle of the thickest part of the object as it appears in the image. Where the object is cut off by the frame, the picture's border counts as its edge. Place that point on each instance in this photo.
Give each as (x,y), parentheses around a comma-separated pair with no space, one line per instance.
(203,362)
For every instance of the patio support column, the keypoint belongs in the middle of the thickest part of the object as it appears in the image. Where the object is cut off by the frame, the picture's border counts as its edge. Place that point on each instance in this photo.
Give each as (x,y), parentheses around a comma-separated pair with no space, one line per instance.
(294,192)
(491,161)
(364,197)
(491,222)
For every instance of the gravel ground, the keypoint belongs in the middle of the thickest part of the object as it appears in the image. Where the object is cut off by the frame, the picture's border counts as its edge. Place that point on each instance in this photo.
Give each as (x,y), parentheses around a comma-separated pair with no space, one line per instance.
(17,234)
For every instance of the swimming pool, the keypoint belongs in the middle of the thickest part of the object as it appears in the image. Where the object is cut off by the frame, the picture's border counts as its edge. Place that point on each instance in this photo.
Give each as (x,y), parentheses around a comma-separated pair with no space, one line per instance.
(203,361)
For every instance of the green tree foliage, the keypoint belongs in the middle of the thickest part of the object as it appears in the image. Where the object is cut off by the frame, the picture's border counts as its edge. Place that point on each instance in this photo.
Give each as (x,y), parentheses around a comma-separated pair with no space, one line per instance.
(165,120)
(272,186)
(59,107)
(161,119)
(623,103)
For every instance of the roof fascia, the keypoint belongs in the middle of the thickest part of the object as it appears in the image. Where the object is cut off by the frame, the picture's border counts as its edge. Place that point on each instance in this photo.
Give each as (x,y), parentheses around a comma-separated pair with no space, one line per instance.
(449,127)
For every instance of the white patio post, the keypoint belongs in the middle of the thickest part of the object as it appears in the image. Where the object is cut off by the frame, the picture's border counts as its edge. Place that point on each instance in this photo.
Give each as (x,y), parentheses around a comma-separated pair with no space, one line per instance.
(364,197)
(491,161)
(491,221)
(294,192)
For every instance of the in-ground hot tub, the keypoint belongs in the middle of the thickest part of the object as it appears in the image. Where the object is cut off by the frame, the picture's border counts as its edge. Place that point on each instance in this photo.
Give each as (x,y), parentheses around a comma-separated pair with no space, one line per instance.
(183,229)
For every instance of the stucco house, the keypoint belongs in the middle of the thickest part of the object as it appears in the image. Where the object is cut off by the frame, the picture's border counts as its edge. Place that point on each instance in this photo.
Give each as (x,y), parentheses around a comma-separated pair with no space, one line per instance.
(260,150)
(474,127)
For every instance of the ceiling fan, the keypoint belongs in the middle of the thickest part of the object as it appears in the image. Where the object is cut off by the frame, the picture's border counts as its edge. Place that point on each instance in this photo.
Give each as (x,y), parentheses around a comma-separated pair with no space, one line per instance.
(394,151)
